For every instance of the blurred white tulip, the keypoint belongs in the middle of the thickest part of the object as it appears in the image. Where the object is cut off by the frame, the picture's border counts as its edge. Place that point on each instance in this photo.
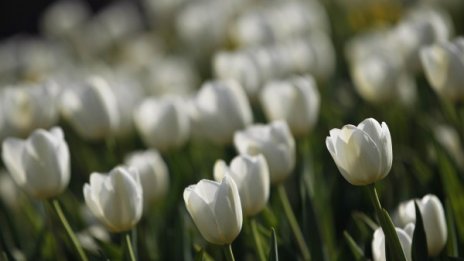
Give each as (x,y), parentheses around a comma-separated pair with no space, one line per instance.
(9,191)
(378,244)
(40,164)
(153,173)
(362,153)
(215,209)
(64,17)
(251,175)
(295,100)
(275,142)
(163,122)
(91,109)
(219,109)
(115,199)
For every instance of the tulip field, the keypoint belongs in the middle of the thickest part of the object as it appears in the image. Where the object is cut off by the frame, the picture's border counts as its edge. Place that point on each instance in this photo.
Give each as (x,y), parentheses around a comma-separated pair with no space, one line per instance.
(234,130)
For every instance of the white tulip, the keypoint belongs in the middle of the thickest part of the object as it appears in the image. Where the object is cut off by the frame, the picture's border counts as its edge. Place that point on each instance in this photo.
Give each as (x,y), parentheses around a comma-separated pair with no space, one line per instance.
(215,209)
(220,109)
(92,109)
(153,173)
(295,100)
(251,175)
(433,216)
(163,122)
(363,153)
(275,142)
(115,199)
(9,191)
(40,164)
(378,244)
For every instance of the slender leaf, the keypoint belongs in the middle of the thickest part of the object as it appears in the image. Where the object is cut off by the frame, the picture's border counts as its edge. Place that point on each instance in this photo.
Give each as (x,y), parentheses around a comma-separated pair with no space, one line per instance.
(419,241)
(452,246)
(357,252)
(273,253)
(391,238)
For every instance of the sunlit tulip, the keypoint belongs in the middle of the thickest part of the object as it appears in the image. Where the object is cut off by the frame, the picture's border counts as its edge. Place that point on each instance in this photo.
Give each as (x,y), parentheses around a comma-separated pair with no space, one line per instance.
(215,209)
(163,122)
(295,100)
(363,153)
(220,109)
(91,109)
(40,164)
(251,175)
(153,173)
(115,199)
(275,142)
(433,217)
(443,65)
(378,244)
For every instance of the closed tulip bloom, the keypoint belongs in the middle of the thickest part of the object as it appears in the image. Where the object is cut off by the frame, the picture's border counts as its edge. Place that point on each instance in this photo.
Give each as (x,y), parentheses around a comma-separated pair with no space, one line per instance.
(251,175)
(433,216)
(40,164)
(215,209)
(115,199)
(163,122)
(153,174)
(275,142)
(295,100)
(378,244)
(363,153)
(220,109)
(91,109)
(443,65)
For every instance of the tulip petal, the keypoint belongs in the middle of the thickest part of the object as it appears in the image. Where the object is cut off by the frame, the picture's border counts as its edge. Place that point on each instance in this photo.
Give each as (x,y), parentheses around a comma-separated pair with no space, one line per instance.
(228,210)
(12,149)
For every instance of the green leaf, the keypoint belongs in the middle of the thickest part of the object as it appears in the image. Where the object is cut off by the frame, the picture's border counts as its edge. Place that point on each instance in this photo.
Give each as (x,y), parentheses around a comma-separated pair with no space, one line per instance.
(452,246)
(391,238)
(199,255)
(419,250)
(273,254)
(358,254)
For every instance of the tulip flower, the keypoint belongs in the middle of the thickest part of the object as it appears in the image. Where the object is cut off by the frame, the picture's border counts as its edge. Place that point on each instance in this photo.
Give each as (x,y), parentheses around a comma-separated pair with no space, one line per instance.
(153,174)
(220,109)
(295,100)
(40,164)
(91,109)
(434,219)
(363,153)
(115,199)
(251,175)
(275,142)
(215,209)
(163,123)
(378,244)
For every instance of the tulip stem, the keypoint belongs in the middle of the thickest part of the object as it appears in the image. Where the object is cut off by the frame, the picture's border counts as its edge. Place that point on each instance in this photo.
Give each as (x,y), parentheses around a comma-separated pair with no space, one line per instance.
(69,231)
(228,252)
(129,246)
(256,238)
(293,223)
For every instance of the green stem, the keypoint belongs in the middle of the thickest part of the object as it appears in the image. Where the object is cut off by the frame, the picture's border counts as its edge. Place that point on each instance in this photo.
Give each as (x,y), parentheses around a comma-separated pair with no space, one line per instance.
(228,252)
(69,231)
(293,223)
(257,239)
(129,246)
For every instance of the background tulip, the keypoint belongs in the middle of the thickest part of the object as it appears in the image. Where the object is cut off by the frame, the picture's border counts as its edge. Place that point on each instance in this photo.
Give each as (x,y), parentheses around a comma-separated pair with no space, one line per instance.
(363,153)
(215,209)
(40,164)
(115,199)
(251,175)
(275,142)
(378,244)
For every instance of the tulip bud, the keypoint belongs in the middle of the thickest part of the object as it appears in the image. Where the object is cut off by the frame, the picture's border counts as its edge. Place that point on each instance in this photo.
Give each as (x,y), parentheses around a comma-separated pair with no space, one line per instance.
(363,153)
(92,109)
(443,65)
(275,142)
(163,123)
(251,175)
(40,164)
(115,199)
(433,217)
(220,109)
(153,174)
(215,209)
(295,101)
(378,244)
